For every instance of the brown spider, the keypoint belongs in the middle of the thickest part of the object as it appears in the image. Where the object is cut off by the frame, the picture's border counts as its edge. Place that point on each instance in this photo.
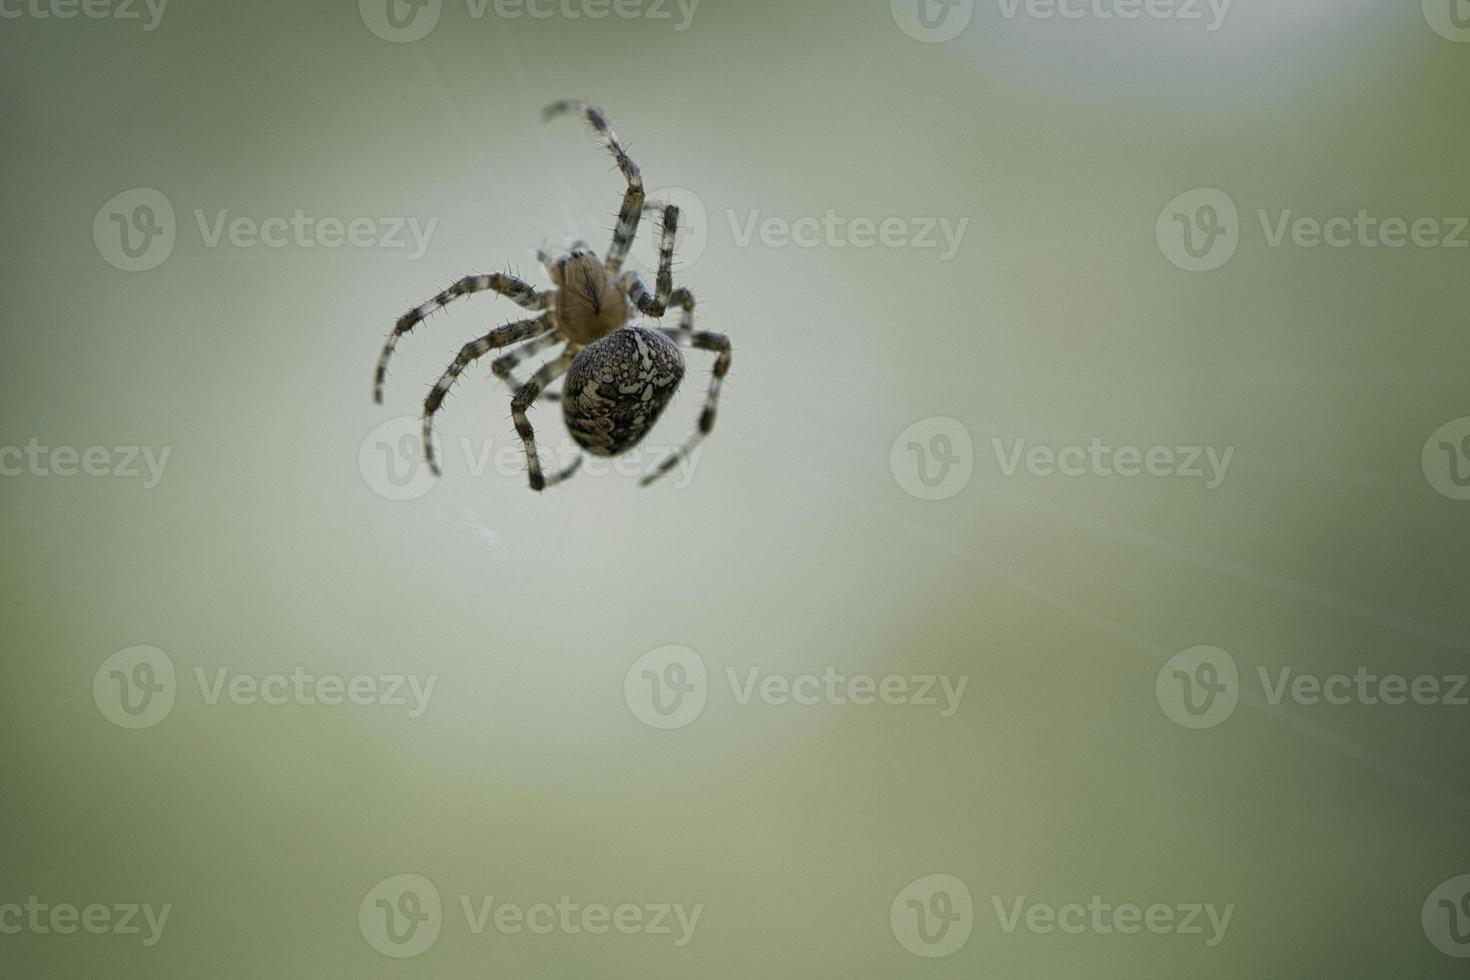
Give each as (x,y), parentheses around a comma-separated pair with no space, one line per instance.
(620,373)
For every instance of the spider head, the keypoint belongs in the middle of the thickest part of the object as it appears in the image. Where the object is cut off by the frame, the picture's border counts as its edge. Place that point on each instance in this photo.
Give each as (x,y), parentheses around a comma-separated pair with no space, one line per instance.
(574,259)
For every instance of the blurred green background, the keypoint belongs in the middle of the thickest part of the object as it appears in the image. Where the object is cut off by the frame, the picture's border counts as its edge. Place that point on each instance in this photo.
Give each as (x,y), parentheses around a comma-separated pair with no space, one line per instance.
(272,541)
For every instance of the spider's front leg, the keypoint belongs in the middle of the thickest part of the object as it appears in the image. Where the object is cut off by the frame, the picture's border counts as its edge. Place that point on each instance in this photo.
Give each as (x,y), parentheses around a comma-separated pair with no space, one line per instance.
(511,333)
(517,290)
(523,400)
(702,340)
(632,208)
(664,293)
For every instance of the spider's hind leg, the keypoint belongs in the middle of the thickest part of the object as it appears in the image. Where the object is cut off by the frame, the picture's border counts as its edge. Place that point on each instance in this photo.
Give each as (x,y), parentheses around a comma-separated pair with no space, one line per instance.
(702,340)
(632,208)
(523,400)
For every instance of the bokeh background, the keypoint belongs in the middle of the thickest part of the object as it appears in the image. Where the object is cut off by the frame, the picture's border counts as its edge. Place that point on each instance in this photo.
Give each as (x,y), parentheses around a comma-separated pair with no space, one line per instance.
(290,530)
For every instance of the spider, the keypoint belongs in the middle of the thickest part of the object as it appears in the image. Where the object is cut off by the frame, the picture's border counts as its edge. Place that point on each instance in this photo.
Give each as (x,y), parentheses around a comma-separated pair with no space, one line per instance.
(620,372)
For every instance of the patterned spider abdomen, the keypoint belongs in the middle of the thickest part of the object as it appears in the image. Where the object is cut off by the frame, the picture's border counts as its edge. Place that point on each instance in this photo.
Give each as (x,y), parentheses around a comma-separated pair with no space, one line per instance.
(618,386)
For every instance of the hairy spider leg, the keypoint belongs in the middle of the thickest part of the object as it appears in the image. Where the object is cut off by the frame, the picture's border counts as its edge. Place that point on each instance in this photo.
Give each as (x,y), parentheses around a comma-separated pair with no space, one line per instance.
(703,340)
(632,208)
(511,333)
(506,285)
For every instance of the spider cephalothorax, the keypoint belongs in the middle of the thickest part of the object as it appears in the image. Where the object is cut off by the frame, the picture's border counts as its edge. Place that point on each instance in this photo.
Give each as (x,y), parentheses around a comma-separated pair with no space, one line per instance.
(620,373)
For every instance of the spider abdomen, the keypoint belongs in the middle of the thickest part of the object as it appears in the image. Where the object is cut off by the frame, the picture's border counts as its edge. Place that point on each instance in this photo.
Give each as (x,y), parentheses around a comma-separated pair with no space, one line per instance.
(618,386)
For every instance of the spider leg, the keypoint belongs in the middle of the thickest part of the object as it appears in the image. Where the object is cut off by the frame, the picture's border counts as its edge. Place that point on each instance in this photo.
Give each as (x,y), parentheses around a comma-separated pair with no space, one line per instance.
(681,297)
(503,367)
(702,340)
(684,299)
(511,333)
(632,208)
(506,285)
(656,304)
(664,284)
(523,400)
